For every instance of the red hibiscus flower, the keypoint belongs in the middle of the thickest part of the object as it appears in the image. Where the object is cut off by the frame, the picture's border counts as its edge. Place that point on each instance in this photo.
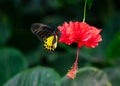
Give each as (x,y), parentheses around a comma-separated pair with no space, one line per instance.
(82,34)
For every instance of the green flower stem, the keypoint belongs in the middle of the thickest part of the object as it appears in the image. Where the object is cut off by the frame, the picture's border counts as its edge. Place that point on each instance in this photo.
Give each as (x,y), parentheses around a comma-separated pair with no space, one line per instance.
(84,16)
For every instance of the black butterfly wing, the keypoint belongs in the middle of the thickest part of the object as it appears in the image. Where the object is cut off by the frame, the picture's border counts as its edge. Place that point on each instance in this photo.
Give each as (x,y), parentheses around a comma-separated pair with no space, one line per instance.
(42,31)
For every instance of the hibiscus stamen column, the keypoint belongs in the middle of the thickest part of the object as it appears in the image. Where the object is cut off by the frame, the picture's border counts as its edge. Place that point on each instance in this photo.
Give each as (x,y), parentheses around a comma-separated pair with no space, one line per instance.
(72,72)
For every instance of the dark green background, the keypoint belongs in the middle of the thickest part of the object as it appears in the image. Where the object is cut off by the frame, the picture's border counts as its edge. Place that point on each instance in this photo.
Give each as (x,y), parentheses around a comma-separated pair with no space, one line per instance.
(21,50)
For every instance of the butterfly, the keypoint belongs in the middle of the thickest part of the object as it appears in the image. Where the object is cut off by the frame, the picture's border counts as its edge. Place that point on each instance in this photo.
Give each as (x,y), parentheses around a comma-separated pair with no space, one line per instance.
(47,34)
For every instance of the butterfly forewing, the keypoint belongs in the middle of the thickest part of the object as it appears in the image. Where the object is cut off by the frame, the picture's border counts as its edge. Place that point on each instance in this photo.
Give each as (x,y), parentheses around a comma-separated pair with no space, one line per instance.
(42,31)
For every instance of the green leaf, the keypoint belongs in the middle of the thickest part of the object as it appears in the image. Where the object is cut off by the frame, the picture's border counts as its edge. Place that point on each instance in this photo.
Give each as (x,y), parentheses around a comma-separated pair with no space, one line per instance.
(87,76)
(113,50)
(114,75)
(89,3)
(5,29)
(38,76)
(54,4)
(11,62)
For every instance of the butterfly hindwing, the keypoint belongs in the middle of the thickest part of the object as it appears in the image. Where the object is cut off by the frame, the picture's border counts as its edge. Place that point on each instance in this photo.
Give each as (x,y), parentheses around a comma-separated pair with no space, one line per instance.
(50,43)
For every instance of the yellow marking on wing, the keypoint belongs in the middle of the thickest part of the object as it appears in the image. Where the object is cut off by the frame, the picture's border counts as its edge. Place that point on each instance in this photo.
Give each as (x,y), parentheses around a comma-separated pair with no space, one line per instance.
(48,43)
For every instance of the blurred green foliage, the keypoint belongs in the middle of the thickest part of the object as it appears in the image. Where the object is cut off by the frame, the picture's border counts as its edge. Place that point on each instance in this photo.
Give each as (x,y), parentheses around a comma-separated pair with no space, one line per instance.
(11,62)
(5,29)
(39,76)
(21,51)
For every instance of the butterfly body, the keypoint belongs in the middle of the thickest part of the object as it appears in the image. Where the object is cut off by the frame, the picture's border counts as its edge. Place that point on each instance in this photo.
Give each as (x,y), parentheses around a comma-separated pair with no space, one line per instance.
(47,34)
